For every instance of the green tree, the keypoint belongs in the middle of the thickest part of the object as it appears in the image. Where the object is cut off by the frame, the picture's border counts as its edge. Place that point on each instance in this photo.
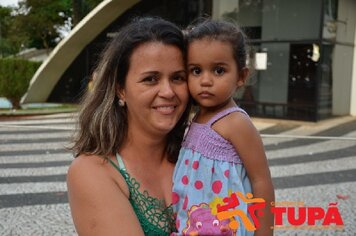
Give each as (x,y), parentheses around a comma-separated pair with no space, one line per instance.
(7,45)
(15,76)
(38,22)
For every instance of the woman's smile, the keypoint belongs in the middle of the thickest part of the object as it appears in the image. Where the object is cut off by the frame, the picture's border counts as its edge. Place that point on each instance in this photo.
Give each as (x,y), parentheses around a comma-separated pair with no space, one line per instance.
(165,109)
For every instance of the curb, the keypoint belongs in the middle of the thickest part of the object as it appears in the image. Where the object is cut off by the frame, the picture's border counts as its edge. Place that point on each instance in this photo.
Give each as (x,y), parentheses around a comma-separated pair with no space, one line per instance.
(19,114)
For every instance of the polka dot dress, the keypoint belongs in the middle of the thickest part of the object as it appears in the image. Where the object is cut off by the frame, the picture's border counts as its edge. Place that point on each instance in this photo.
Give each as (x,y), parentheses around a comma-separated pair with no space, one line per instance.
(208,167)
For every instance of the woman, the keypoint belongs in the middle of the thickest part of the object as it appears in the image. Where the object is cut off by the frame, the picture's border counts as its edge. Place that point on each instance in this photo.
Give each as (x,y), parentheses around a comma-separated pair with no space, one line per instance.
(131,127)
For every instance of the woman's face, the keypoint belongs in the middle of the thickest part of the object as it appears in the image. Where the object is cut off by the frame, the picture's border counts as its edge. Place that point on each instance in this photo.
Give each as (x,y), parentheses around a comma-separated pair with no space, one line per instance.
(156,92)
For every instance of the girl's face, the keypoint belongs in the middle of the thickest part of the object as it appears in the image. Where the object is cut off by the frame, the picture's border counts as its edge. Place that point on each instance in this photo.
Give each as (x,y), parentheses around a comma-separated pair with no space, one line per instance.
(156,92)
(213,75)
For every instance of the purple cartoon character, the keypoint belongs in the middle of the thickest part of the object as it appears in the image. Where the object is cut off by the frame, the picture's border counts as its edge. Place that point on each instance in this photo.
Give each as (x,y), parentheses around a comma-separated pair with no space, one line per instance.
(202,222)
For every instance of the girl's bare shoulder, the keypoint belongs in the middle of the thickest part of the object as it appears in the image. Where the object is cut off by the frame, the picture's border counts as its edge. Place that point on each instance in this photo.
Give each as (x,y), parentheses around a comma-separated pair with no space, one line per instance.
(233,123)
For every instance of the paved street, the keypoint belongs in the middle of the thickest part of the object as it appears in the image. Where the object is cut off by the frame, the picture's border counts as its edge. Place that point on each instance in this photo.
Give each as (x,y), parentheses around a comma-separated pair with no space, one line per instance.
(313,163)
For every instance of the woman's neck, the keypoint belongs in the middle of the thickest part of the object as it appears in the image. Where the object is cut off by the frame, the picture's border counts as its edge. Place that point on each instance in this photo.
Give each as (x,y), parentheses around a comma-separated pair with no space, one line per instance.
(145,147)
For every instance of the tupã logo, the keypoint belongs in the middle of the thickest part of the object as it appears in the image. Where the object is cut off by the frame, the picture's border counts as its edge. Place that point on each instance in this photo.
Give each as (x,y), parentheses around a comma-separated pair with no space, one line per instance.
(297,215)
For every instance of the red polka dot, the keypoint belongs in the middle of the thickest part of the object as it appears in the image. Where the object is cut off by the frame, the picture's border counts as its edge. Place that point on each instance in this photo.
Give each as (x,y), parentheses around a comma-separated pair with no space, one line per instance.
(185,180)
(195,165)
(216,187)
(212,170)
(175,198)
(227,173)
(198,184)
(186,161)
(185,203)
(177,223)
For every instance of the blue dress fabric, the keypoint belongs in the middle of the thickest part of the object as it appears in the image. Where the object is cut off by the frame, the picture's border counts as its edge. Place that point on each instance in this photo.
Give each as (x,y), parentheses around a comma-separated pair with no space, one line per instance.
(208,170)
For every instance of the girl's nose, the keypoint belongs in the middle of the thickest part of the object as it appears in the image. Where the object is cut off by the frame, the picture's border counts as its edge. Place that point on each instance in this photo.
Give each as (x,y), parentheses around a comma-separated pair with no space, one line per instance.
(166,90)
(206,80)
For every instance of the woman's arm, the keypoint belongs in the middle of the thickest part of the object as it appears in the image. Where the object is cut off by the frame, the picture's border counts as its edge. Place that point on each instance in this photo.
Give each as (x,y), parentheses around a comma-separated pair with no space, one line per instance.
(98,205)
(239,129)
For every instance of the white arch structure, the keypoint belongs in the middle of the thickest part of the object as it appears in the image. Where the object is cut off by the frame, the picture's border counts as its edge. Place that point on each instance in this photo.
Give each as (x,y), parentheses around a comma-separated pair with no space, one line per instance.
(51,70)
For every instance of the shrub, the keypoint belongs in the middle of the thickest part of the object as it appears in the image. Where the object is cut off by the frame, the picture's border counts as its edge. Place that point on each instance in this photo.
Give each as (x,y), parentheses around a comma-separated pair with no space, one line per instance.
(15,76)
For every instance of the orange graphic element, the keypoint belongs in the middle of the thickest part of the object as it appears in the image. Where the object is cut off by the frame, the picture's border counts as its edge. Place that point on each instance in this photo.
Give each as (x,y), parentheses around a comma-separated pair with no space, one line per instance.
(249,198)
(232,202)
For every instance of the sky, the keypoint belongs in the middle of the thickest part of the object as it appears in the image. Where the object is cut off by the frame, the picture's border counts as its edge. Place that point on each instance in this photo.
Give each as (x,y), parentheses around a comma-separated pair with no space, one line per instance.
(8,2)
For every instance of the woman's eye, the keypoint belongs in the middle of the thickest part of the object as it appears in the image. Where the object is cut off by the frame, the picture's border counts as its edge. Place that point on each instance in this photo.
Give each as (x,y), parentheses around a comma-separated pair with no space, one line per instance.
(150,79)
(219,70)
(195,71)
(179,78)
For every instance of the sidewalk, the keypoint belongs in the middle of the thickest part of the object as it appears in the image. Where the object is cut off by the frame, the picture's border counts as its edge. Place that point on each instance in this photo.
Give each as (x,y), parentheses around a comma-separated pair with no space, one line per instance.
(9,114)
(278,126)
(315,171)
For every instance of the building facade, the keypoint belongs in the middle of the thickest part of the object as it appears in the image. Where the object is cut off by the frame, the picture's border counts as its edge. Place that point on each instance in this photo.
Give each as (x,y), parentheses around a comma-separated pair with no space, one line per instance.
(302,52)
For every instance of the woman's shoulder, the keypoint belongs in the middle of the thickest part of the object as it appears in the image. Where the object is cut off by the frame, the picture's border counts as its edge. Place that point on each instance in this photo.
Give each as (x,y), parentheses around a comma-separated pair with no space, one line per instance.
(89,169)
(98,196)
(85,169)
(87,160)
(85,163)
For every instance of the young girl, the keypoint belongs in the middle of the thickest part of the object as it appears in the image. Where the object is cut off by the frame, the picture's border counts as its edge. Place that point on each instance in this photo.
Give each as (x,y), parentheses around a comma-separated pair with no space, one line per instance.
(222,154)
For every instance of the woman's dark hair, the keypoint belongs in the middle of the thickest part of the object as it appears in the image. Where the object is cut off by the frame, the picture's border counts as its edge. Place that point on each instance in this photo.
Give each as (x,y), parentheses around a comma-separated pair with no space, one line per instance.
(102,122)
(221,30)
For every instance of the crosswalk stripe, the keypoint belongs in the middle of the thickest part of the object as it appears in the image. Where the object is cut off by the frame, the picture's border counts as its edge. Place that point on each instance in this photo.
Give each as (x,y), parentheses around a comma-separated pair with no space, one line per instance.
(33,152)
(314,148)
(33,179)
(37,122)
(36,158)
(283,136)
(33,171)
(23,188)
(34,164)
(64,127)
(24,131)
(314,167)
(317,179)
(34,140)
(9,137)
(5,147)
(311,157)
(15,200)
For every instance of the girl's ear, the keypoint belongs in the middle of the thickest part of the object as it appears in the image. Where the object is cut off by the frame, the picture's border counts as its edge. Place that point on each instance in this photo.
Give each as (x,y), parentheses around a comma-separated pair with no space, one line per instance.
(242,77)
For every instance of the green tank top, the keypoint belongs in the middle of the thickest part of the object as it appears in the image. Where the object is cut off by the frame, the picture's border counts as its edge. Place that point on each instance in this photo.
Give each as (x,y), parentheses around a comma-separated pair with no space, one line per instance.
(155,218)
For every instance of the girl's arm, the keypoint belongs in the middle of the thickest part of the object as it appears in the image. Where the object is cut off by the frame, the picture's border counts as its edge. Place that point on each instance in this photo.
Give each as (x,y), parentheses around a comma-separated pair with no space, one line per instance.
(98,205)
(240,131)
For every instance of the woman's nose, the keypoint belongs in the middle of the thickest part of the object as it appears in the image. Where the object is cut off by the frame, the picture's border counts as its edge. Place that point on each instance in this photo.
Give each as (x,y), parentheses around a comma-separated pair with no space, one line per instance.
(166,90)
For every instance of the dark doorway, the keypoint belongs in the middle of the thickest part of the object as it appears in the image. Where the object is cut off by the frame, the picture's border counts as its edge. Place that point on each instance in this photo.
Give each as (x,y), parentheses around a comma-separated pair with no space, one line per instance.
(303,61)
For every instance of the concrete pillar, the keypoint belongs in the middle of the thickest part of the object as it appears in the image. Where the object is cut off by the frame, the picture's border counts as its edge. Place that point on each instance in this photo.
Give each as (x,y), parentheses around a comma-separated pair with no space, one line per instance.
(353,82)
(344,60)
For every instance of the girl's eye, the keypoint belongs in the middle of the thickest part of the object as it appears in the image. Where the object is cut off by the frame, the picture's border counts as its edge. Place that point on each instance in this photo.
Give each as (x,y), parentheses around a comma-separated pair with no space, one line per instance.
(219,70)
(195,71)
